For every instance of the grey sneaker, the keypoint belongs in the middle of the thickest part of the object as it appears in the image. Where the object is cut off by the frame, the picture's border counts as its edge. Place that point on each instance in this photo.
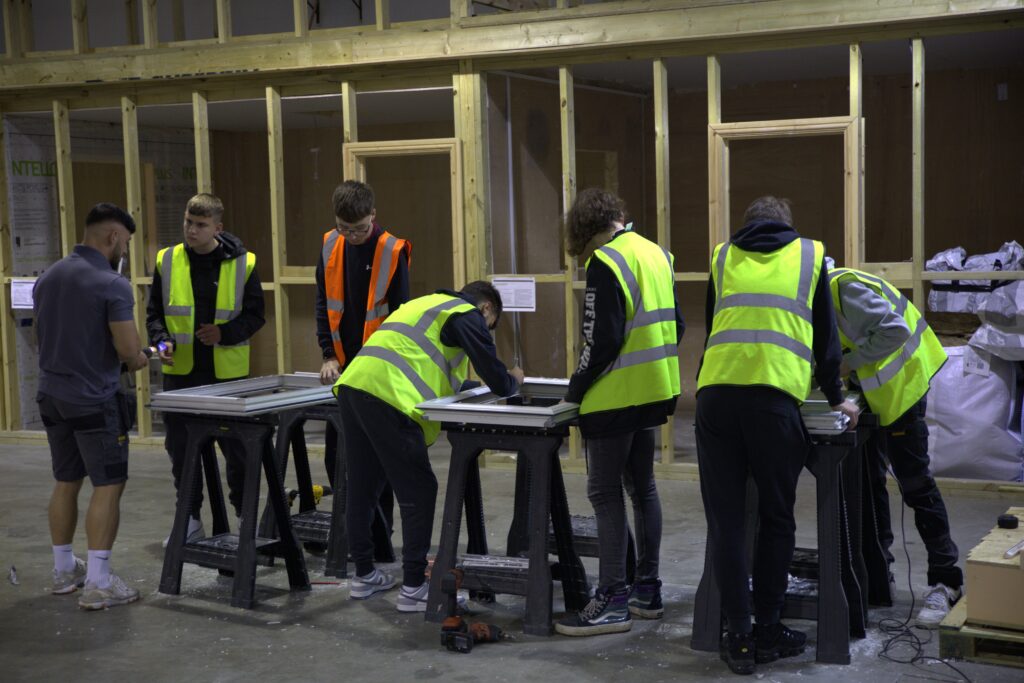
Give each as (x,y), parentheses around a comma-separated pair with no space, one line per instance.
(117,593)
(197,535)
(939,599)
(69,582)
(376,581)
(413,599)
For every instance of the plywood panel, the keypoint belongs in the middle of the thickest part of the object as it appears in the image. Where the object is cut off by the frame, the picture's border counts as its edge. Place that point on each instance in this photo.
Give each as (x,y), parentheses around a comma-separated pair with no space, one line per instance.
(97,182)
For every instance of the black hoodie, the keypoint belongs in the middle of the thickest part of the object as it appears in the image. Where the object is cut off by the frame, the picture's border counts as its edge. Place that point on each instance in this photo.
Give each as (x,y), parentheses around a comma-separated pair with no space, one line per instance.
(205,270)
(766,237)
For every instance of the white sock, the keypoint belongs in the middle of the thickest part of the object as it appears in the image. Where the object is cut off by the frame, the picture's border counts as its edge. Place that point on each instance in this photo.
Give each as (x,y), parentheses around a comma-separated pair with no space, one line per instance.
(63,558)
(193,526)
(98,572)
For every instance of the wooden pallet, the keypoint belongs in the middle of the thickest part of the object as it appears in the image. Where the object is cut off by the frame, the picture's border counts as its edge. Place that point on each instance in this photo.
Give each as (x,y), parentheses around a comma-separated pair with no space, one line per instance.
(987,644)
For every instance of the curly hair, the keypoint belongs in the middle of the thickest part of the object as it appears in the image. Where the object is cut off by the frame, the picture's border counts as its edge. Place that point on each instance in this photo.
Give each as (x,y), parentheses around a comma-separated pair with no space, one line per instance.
(593,212)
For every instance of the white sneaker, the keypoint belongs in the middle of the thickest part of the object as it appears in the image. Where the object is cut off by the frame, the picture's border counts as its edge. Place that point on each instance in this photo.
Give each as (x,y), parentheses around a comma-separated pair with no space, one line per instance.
(413,599)
(376,581)
(937,603)
(69,582)
(197,535)
(117,593)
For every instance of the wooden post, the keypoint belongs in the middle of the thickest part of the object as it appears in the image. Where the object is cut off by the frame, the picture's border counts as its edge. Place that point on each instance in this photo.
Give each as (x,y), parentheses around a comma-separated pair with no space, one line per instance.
(275,138)
(383,10)
(567,120)
(131,21)
(201,132)
(65,179)
(663,205)
(471,129)
(133,188)
(718,162)
(79,26)
(10,415)
(856,80)
(178,20)
(223,21)
(853,141)
(460,10)
(349,117)
(17,30)
(917,171)
(150,34)
(299,9)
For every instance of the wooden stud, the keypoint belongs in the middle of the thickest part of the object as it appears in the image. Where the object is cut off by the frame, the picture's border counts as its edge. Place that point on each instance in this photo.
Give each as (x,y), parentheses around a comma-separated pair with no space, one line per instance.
(131,21)
(150,32)
(663,204)
(26,30)
(178,19)
(201,132)
(383,11)
(133,190)
(279,246)
(10,417)
(349,117)
(79,26)
(567,121)
(471,130)
(718,163)
(300,11)
(12,35)
(917,172)
(854,153)
(224,23)
(856,81)
(65,177)
(460,9)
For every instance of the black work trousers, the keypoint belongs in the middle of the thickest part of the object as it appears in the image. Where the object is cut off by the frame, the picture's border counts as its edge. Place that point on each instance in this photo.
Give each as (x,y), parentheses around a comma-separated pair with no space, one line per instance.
(384,446)
(387,497)
(613,462)
(756,431)
(904,445)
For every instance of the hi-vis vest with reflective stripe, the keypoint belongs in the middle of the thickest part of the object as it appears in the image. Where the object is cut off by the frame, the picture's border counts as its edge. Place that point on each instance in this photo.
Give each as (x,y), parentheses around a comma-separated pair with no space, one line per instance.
(404,363)
(229,362)
(762,333)
(385,263)
(898,381)
(647,368)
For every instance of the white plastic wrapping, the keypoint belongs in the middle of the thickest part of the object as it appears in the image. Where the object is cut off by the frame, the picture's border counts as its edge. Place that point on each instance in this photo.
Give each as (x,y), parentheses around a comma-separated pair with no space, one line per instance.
(1002,317)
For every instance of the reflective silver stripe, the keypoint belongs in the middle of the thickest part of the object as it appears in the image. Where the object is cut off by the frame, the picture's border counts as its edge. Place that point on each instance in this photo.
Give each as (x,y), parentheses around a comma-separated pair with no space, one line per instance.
(336,335)
(381,311)
(658,315)
(385,269)
(224,313)
(165,277)
(329,247)
(389,356)
(177,310)
(335,305)
(720,267)
(241,268)
(892,369)
(182,339)
(895,297)
(627,275)
(425,345)
(644,356)
(796,307)
(761,337)
(668,257)
(430,315)
(803,292)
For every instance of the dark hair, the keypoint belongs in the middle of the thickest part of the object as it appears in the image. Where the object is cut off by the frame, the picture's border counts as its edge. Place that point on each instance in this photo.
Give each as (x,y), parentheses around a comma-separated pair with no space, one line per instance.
(105,211)
(768,208)
(593,212)
(206,205)
(479,290)
(353,201)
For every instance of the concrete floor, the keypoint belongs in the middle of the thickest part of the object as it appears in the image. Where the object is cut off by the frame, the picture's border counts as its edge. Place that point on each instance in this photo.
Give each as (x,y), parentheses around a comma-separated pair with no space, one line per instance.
(322,635)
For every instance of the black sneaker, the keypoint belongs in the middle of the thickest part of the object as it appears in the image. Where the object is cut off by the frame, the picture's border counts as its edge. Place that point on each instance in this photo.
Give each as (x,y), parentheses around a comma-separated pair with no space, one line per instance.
(645,600)
(737,651)
(777,640)
(605,613)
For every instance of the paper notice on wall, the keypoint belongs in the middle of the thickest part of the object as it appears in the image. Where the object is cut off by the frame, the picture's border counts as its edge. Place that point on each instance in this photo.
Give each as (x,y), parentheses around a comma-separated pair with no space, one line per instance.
(21,294)
(518,294)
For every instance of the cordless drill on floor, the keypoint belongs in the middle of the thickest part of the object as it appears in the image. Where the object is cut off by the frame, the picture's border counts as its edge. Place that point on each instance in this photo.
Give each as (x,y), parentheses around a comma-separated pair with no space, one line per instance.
(457,634)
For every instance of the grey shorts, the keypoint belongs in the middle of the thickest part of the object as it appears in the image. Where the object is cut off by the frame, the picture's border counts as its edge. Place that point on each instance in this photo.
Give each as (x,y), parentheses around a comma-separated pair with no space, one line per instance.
(87,440)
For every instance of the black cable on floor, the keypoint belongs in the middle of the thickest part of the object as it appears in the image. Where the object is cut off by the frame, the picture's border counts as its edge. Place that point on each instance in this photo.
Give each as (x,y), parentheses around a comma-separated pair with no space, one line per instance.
(900,633)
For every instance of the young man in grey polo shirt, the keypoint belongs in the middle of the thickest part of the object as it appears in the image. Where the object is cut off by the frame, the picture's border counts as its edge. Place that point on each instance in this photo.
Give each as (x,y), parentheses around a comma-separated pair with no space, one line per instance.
(83,310)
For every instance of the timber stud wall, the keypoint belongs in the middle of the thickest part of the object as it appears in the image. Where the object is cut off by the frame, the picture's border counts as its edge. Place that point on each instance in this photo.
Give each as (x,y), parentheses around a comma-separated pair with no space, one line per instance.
(459,52)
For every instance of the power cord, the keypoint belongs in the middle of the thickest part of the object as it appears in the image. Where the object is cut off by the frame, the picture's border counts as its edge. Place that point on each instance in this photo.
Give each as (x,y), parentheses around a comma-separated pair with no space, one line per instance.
(900,633)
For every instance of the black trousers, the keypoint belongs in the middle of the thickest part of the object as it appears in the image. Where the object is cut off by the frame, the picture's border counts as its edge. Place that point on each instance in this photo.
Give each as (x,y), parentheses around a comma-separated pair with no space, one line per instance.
(759,431)
(904,445)
(387,497)
(384,446)
(613,462)
(176,442)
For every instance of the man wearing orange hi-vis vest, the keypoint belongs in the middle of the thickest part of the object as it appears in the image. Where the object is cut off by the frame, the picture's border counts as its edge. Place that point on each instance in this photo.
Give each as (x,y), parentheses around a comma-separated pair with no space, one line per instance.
(362,275)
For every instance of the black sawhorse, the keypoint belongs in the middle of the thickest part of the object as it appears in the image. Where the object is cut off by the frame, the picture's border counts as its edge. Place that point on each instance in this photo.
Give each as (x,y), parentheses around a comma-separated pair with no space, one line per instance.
(537,451)
(312,525)
(223,550)
(840,605)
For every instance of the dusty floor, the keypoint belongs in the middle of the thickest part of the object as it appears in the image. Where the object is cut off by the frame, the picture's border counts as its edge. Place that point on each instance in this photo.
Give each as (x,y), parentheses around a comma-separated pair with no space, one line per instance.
(322,635)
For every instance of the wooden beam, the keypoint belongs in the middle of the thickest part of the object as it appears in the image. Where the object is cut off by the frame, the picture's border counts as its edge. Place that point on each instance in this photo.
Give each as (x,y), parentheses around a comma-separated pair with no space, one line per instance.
(10,417)
(178,19)
(566,4)
(856,81)
(567,126)
(223,21)
(133,190)
(471,130)
(917,172)
(13,38)
(278,241)
(26,29)
(65,178)
(131,21)
(150,32)
(663,203)
(301,14)
(383,12)
(201,133)
(349,113)
(79,26)
(718,166)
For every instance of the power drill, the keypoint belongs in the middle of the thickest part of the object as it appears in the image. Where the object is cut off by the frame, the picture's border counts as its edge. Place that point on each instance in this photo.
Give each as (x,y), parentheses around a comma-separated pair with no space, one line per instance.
(458,635)
(318,493)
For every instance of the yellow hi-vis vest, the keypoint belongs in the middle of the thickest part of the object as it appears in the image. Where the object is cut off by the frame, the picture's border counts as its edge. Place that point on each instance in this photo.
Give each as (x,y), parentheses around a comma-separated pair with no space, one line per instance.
(898,381)
(647,367)
(404,362)
(229,362)
(762,332)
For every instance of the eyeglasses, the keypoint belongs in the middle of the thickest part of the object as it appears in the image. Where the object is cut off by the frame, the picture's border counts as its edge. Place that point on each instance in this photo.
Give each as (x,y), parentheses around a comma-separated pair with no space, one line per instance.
(355,231)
